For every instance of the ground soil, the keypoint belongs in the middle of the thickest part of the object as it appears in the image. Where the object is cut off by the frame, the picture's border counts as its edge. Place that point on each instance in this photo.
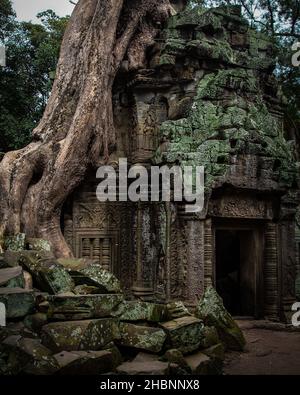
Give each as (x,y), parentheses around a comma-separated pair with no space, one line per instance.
(272,349)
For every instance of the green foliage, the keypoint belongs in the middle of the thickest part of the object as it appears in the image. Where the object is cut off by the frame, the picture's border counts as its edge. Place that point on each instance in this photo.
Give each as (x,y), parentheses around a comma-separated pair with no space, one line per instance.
(280,20)
(32,52)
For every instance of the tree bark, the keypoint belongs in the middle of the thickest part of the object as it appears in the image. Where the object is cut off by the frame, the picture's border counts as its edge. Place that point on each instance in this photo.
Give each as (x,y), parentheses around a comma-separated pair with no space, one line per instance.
(76,131)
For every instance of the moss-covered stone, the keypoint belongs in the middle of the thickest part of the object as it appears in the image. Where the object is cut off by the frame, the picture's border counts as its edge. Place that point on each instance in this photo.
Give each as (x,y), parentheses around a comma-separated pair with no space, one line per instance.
(29,356)
(80,335)
(142,337)
(213,313)
(66,308)
(142,311)
(38,244)
(18,302)
(184,334)
(48,274)
(15,243)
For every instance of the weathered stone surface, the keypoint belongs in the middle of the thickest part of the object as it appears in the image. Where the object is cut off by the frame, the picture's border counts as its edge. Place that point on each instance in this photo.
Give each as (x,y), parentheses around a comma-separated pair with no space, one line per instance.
(29,356)
(144,368)
(38,244)
(75,264)
(15,243)
(47,274)
(145,357)
(28,282)
(142,337)
(36,321)
(217,356)
(177,310)
(3,264)
(18,302)
(85,362)
(82,307)
(199,364)
(175,356)
(80,335)
(10,259)
(184,334)
(212,311)
(12,277)
(96,276)
(210,337)
(86,290)
(142,311)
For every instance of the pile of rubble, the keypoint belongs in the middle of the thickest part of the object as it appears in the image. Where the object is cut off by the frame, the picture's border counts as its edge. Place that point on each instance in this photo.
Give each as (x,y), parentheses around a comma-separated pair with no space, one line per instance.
(69,316)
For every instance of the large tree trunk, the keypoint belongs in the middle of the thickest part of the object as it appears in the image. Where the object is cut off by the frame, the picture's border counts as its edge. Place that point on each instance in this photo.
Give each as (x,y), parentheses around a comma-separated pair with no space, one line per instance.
(76,131)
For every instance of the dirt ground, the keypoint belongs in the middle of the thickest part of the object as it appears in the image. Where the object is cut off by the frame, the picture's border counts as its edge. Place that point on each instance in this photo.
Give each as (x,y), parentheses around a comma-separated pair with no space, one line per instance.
(272,351)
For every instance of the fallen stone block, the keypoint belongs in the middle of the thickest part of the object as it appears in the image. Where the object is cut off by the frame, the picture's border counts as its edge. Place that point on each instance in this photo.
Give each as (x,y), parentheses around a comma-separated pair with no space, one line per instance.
(47,274)
(28,282)
(95,276)
(210,337)
(38,244)
(217,356)
(177,310)
(35,322)
(18,302)
(212,311)
(91,335)
(15,243)
(82,307)
(145,357)
(12,277)
(144,368)
(142,337)
(184,334)
(142,311)
(84,363)
(29,356)
(75,264)
(200,364)
(176,357)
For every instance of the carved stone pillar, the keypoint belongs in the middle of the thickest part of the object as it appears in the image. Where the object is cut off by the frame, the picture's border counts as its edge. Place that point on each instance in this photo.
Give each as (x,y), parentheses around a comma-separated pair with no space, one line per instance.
(196,260)
(288,267)
(144,253)
(209,259)
(271,273)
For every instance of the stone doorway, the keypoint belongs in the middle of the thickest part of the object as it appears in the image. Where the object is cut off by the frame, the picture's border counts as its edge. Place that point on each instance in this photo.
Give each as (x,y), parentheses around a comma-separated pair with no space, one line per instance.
(239,268)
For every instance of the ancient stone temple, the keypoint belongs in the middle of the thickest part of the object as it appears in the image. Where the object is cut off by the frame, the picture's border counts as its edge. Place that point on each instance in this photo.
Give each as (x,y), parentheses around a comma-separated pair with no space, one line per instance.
(208,97)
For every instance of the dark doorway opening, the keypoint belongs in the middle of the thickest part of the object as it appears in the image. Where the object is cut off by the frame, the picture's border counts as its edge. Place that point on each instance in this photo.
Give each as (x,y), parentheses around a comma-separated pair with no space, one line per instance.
(236,263)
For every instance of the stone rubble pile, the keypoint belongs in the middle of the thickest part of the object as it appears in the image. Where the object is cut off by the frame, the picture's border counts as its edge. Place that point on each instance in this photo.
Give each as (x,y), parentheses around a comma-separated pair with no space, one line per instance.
(69,316)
